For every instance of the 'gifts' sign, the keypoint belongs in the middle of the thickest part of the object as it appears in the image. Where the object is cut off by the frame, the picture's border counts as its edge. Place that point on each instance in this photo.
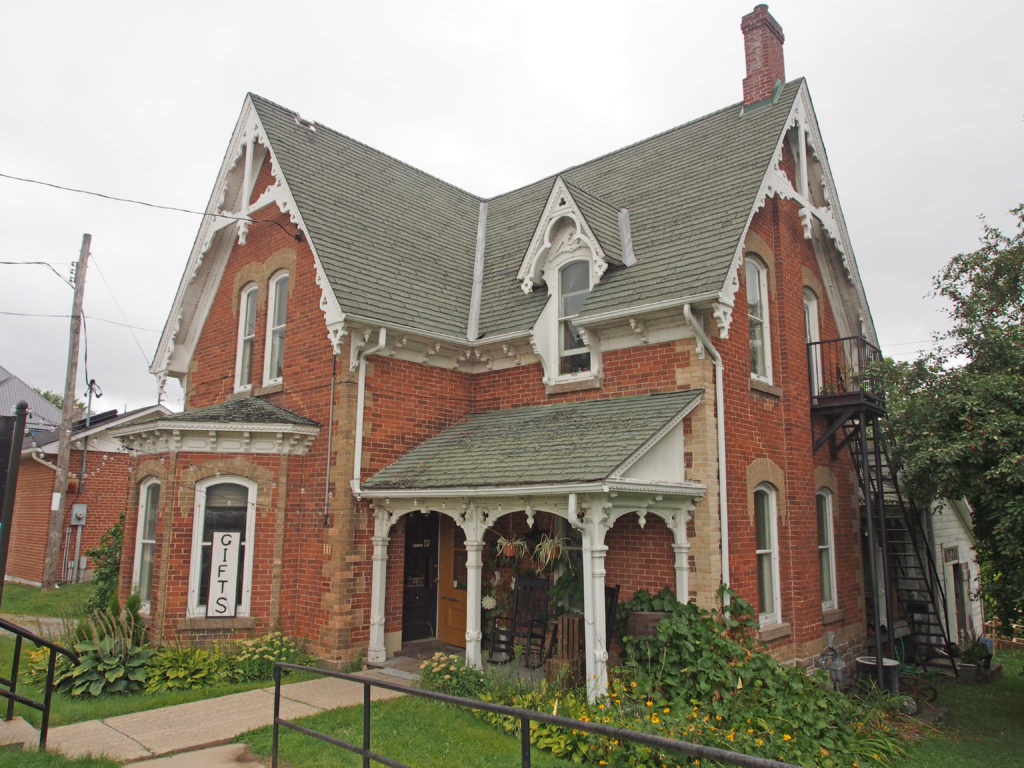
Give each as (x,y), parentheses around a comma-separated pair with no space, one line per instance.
(220,602)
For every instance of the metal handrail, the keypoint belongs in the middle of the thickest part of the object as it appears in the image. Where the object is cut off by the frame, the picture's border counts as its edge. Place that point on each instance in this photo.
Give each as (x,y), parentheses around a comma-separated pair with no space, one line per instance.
(840,366)
(12,695)
(525,717)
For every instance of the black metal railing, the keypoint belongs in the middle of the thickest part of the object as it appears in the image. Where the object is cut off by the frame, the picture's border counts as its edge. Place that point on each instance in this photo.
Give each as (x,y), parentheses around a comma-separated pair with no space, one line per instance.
(524,716)
(841,368)
(10,686)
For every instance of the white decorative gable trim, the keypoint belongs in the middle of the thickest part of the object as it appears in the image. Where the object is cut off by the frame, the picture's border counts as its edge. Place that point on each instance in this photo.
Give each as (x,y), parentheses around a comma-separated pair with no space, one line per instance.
(227,221)
(829,215)
(560,205)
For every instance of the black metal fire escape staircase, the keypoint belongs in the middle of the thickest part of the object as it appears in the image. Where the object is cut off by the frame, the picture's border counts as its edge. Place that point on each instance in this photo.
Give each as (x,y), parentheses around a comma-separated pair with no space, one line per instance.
(849,410)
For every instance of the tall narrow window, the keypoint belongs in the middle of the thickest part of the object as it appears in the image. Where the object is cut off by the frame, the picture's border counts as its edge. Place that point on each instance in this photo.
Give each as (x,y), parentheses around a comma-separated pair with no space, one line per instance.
(277,312)
(813,337)
(222,506)
(573,287)
(246,338)
(826,550)
(757,312)
(766,542)
(145,540)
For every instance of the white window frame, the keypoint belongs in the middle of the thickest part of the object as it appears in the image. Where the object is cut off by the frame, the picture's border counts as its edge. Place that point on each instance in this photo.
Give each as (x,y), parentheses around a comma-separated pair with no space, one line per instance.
(774,616)
(757,269)
(272,329)
(813,332)
(197,602)
(140,540)
(828,548)
(250,290)
(563,319)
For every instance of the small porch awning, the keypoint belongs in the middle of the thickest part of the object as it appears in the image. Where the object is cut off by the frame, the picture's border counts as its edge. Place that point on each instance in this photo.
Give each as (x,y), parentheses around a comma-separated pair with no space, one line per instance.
(568,447)
(588,462)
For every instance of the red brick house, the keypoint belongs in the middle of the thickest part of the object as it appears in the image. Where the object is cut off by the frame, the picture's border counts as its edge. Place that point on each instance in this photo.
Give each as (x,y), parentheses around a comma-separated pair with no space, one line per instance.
(98,480)
(383,372)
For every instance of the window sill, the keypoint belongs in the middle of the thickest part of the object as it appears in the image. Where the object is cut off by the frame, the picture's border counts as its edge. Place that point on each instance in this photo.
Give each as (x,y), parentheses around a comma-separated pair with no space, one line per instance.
(558,386)
(240,394)
(202,623)
(764,388)
(270,389)
(832,615)
(774,632)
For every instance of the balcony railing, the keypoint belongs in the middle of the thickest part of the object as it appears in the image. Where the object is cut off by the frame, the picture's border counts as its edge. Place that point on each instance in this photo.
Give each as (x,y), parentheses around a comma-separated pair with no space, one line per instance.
(839,371)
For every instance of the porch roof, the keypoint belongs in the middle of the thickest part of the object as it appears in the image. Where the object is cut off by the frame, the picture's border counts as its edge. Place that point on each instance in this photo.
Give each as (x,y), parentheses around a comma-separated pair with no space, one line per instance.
(539,445)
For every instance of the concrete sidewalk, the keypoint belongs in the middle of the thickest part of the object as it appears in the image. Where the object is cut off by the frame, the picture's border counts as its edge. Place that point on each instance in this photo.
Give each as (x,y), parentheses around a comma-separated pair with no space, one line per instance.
(200,724)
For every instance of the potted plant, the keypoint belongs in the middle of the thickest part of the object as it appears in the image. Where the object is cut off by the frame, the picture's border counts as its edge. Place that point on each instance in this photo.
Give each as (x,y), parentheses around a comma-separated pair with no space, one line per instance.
(511,548)
(549,550)
(975,659)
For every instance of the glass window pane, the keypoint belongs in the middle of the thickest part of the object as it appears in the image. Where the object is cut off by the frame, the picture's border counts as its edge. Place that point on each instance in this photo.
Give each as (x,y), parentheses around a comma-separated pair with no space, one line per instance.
(753,274)
(765,583)
(277,354)
(823,522)
(825,561)
(227,495)
(145,571)
(762,520)
(757,361)
(575,277)
(249,326)
(152,505)
(280,300)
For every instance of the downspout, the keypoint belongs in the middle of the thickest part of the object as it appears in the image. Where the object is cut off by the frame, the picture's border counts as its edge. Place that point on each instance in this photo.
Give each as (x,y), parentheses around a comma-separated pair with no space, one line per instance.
(330,437)
(723,496)
(357,448)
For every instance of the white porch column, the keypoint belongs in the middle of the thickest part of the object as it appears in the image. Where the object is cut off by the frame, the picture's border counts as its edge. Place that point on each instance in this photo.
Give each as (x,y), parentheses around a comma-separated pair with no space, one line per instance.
(595,526)
(376,652)
(473,524)
(681,547)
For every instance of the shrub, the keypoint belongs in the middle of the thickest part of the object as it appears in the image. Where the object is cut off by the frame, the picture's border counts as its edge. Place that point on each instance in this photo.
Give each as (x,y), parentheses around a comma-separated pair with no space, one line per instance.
(172,668)
(106,568)
(112,659)
(254,659)
(448,673)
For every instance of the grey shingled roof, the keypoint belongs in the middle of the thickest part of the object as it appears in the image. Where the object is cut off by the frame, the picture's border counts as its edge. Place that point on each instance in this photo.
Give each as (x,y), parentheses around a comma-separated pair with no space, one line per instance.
(398,245)
(249,410)
(569,442)
(42,414)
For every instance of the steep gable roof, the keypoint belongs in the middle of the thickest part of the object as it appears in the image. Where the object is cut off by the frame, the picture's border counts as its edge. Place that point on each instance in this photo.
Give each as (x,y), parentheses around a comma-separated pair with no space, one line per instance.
(42,414)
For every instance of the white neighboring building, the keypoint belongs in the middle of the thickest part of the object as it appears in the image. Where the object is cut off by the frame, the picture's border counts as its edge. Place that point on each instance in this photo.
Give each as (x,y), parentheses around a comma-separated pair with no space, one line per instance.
(953,550)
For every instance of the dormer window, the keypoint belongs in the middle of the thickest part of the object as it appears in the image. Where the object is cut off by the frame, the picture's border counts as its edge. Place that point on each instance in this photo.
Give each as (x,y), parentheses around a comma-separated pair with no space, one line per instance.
(277,312)
(573,288)
(246,338)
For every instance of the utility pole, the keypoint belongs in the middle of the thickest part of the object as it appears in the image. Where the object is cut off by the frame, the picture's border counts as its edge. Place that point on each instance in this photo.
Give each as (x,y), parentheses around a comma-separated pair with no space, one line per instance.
(51,565)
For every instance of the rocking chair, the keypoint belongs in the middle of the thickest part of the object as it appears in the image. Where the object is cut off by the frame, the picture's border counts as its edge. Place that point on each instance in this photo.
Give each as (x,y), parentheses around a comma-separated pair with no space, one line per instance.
(527,626)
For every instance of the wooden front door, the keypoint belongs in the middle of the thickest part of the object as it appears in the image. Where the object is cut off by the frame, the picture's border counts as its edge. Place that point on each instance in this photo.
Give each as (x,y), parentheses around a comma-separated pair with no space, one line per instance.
(419,592)
(451,585)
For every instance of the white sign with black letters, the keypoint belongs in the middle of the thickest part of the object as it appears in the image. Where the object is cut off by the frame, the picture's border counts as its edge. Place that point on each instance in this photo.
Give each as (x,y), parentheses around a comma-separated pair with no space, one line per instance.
(220,602)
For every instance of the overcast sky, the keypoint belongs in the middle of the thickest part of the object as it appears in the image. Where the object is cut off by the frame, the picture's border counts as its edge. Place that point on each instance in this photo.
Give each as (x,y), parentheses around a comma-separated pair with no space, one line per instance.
(921,107)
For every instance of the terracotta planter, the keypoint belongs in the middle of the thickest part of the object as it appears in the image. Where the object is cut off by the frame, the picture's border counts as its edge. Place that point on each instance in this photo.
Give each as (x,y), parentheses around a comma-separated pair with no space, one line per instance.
(644,623)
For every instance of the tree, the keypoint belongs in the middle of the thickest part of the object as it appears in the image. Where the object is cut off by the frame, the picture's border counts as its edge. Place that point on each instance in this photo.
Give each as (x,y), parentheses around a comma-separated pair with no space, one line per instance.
(58,400)
(960,426)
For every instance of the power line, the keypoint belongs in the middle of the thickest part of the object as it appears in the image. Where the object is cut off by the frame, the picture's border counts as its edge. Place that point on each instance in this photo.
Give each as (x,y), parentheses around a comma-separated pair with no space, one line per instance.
(91,317)
(119,309)
(117,199)
(39,264)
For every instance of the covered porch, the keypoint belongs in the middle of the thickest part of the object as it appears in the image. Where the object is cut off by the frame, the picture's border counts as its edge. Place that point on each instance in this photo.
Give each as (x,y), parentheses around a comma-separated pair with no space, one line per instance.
(589,464)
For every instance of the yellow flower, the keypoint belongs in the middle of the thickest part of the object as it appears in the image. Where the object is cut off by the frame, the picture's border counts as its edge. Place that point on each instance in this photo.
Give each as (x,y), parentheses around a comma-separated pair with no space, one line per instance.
(666,710)
(786,737)
(650,703)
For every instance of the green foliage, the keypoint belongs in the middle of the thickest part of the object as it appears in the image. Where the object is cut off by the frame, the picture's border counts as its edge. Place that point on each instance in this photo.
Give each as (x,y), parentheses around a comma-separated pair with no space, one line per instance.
(448,673)
(112,661)
(106,564)
(254,659)
(958,428)
(172,668)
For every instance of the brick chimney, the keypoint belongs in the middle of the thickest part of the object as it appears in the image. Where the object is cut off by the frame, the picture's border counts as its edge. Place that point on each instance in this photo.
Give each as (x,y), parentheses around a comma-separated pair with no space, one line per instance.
(762,45)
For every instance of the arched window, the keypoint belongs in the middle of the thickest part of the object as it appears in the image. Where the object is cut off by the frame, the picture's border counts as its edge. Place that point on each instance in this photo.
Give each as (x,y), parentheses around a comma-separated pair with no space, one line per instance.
(573,288)
(277,312)
(826,550)
(246,338)
(223,505)
(813,337)
(757,314)
(766,536)
(145,540)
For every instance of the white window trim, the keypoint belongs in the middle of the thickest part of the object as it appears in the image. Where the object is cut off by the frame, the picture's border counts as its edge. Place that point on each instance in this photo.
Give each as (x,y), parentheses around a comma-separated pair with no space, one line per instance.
(813,330)
(569,318)
(196,602)
(771,617)
(271,310)
(762,270)
(243,302)
(551,326)
(139,530)
(828,605)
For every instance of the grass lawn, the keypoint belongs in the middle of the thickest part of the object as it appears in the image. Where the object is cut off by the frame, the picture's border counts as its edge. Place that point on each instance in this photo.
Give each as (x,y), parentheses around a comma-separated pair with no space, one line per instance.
(70,709)
(985,725)
(408,729)
(65,602)
(12,758)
